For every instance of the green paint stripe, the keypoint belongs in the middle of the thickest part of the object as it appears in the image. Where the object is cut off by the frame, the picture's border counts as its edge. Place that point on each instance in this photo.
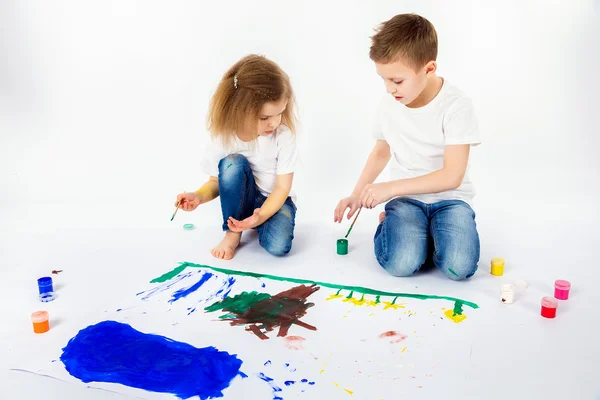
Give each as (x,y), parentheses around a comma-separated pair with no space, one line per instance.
(170,275)
(358,289)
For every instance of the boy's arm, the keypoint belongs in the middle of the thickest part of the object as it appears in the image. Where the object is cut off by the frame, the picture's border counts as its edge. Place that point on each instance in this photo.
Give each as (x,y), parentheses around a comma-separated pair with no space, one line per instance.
(274,202)
(378,159)
(449,177)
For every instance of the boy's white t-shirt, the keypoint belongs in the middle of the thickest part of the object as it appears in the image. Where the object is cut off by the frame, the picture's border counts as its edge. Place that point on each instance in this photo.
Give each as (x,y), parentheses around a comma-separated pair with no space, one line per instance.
(417,137)
(269,156)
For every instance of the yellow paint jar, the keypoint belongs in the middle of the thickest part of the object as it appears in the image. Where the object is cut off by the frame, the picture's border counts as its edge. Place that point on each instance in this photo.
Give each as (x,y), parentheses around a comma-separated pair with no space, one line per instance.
(497,266)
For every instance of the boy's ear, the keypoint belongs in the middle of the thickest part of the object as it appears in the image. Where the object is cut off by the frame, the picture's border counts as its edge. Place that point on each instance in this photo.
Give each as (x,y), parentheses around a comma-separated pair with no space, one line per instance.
(430,68)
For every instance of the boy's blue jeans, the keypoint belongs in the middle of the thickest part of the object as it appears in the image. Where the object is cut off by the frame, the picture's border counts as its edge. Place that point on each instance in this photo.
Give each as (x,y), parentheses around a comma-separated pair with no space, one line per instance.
(413,233)
(239,198)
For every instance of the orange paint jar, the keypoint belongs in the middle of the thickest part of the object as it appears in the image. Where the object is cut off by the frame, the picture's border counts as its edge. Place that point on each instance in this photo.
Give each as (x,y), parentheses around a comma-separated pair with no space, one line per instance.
(40,321)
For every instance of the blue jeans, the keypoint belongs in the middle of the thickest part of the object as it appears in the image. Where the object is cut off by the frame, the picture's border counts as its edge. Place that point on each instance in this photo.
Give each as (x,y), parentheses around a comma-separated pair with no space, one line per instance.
(414,233)
(240,196)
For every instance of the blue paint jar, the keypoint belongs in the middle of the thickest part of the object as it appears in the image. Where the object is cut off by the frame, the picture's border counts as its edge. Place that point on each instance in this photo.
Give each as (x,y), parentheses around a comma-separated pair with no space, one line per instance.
(45,288)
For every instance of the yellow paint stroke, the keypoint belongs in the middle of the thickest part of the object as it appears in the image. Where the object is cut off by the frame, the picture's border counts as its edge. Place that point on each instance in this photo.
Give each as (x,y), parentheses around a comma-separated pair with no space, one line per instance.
(350,392)
(415,332)
(456,318)
(371,303)
(404,349)
(392,305)
(358,302)
(370,315)
(321,371)
(334,296)
(336,385)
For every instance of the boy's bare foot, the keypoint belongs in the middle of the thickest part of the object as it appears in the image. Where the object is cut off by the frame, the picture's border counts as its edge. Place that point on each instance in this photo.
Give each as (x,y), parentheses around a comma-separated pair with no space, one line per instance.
(381,217)
(226,248)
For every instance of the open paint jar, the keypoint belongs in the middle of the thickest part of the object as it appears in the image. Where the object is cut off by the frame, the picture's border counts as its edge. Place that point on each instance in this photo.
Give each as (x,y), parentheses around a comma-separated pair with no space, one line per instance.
(342,246)
(46,289)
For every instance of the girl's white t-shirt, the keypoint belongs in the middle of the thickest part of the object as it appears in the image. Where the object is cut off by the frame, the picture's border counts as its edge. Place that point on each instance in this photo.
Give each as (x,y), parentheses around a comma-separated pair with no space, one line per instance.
(418,136)
(269,156)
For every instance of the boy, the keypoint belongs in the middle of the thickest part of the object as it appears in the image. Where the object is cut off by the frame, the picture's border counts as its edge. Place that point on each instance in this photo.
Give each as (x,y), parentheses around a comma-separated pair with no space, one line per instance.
(427,127)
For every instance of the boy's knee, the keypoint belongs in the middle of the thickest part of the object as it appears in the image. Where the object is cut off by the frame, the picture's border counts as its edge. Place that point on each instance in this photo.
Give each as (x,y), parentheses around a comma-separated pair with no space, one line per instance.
(458,266)
(401,263)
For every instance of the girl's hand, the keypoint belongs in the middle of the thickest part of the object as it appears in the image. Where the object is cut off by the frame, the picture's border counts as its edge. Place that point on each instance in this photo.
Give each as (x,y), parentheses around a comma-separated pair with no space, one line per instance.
(188,201)
(352,202)
(249,223)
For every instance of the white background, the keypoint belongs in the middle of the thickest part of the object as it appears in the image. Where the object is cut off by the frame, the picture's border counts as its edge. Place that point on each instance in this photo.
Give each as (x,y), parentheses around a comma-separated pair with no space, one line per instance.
(102,110)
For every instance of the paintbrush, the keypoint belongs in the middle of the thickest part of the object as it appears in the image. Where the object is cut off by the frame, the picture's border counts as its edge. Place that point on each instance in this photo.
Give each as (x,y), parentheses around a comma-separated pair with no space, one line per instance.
(178,204)
(353,222)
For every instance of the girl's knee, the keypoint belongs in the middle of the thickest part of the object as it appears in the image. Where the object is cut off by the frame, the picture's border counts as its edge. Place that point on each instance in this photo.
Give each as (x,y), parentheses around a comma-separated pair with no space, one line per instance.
(278,248)
(232,160)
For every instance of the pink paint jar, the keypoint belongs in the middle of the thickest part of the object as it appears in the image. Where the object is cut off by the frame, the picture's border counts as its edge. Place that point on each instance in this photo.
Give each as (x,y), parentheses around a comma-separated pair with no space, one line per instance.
(561,289)
(549,306)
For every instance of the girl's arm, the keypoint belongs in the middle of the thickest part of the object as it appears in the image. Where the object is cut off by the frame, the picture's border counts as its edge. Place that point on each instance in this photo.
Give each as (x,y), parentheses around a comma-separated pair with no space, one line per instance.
(283,185)
(209,191)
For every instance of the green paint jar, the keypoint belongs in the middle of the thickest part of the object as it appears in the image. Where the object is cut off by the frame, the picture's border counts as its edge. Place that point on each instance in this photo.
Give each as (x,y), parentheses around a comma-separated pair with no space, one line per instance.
(342,246)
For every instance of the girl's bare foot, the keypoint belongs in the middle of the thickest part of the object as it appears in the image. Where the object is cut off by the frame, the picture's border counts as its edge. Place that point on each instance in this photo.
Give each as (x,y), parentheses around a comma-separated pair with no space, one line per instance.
(226,248)
(381,217)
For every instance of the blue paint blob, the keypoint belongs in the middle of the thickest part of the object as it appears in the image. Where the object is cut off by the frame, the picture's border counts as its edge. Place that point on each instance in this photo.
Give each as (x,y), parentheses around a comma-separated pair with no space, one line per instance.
(114,352)
(304,380)
(184,292)
(287,365)
(288,383)
(120,309)
(311,383)
(268,362)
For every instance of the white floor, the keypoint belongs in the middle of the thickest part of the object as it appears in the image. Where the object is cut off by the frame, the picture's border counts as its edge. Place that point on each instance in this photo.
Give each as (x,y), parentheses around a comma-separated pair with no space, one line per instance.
(106,252)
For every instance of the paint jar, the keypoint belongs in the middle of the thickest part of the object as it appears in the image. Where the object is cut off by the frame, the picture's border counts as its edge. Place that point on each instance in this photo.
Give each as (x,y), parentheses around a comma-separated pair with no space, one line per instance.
(561,289)
(549,306)
(342,246)
(507,293)
(40,321)
(45,288)
(497,266)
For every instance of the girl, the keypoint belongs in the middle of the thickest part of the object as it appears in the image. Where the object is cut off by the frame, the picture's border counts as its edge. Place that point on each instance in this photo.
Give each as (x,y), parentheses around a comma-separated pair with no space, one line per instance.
(252,157)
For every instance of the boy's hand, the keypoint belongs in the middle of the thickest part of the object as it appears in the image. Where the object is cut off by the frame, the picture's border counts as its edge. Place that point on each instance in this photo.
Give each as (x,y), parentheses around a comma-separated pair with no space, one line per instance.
(375,194)
(249,223)
(188,201)
(352,202)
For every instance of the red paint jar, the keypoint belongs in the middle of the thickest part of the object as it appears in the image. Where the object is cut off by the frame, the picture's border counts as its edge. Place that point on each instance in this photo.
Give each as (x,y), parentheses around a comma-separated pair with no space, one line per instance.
(549,306)
(561,289)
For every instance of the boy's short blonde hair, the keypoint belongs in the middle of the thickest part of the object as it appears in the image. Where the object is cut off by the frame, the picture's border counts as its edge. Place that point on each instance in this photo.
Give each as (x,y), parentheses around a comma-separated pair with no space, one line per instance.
(409,37)
(244,89)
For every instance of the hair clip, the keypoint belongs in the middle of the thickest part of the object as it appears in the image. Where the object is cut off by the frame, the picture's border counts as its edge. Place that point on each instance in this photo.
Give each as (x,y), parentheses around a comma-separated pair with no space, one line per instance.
(235,82)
